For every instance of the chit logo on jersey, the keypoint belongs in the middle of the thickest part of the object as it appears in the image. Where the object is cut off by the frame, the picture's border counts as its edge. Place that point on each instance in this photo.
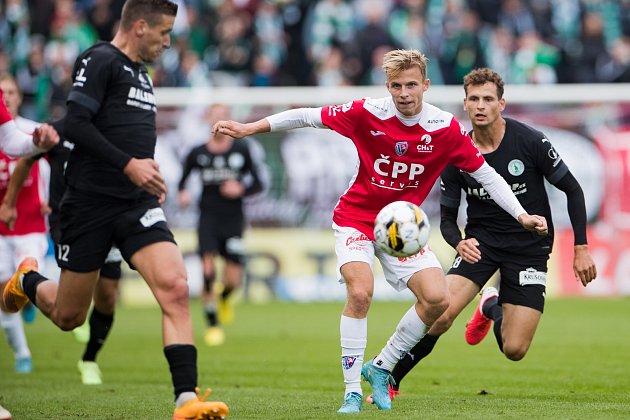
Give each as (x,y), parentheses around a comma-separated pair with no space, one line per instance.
(427,147)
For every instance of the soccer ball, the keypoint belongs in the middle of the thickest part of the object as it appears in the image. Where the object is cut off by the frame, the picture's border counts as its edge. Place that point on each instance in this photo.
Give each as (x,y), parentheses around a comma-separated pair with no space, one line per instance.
(401,229)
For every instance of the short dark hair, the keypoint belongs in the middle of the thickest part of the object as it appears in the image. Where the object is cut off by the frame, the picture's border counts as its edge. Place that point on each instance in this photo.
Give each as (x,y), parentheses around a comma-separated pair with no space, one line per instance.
(484,75)
(149,10)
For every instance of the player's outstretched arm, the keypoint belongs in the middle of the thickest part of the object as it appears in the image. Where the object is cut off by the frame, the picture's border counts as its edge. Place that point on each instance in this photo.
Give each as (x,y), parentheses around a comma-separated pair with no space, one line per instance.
(240,130)
(282,121)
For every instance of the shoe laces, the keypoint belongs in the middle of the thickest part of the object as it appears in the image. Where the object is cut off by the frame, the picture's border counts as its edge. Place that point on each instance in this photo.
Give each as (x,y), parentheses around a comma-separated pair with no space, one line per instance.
(352,398)
(205,394)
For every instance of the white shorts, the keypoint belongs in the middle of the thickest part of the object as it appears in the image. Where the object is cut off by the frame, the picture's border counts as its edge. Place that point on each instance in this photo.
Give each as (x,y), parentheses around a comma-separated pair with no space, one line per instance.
(352,246)
(13,249)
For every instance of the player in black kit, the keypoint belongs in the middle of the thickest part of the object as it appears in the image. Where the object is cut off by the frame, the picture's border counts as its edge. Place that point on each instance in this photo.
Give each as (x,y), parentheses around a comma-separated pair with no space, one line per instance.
(493,241)
(228,174)
(106,292)
(113,195)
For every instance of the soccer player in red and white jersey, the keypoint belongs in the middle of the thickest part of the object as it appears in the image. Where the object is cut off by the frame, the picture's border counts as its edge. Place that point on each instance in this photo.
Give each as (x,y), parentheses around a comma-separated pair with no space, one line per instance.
(25,235)
(15,143)
(403,144)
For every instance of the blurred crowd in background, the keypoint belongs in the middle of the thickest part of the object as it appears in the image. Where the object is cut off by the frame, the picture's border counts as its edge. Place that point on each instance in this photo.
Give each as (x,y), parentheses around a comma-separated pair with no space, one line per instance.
(325,42)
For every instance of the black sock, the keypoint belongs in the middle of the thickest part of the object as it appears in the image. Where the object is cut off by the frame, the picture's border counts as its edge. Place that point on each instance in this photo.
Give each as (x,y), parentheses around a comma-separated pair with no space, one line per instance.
(182,361)
(497,331)
(100,325)
(494,311)
(211,317)
(419,352)
(29,284)
(227,291)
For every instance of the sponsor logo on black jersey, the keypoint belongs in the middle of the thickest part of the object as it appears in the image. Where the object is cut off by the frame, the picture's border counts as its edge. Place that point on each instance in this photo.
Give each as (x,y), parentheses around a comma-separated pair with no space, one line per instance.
(142,99)
(516,167)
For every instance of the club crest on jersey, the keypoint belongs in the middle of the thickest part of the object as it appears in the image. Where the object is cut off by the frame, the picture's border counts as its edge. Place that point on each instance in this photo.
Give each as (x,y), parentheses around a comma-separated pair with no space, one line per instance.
(348,361)
(516,167)
(401,148)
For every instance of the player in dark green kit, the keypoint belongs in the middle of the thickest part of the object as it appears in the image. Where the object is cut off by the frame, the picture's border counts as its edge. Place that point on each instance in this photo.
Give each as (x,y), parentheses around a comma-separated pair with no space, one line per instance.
(114,190)
(525,158)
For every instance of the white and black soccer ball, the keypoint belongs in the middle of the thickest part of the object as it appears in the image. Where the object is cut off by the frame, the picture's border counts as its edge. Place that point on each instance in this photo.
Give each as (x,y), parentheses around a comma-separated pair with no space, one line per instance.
(401,229)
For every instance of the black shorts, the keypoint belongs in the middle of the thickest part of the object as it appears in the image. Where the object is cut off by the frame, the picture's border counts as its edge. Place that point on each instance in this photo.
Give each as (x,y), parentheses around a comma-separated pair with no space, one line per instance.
(522,280)
(112,268)
(90,227)
(223,236)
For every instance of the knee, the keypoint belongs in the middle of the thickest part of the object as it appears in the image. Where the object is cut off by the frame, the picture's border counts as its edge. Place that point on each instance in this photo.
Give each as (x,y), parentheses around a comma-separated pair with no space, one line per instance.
(69,322)
(176,290)
(442,324)
(514,352)
(360,300)
(439,305)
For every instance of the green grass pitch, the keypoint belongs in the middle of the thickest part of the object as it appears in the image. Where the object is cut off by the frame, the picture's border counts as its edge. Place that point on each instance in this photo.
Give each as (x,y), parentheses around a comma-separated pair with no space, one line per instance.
(281,361)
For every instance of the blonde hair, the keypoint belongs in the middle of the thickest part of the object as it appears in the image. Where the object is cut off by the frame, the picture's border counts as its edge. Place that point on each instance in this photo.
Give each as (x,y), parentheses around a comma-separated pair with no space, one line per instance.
(10,78)
(397,61)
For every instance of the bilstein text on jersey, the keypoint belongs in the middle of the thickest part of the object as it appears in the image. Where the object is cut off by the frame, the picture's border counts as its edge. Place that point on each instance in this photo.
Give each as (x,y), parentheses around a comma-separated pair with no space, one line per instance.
(141,99)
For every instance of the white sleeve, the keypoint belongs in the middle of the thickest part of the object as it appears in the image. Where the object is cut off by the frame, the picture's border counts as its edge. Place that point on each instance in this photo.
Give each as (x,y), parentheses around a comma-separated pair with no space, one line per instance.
(498,189)
(16,143)
(296,118)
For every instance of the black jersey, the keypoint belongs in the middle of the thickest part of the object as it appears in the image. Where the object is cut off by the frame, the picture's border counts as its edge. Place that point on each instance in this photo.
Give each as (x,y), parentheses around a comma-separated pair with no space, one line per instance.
(214,168)
(57,158)
(524,159)
(119,96)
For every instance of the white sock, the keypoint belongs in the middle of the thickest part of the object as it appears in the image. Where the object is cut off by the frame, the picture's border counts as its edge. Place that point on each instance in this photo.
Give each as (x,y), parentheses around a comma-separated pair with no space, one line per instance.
(353,342)
(184,397)
(14,330)
(409,331)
